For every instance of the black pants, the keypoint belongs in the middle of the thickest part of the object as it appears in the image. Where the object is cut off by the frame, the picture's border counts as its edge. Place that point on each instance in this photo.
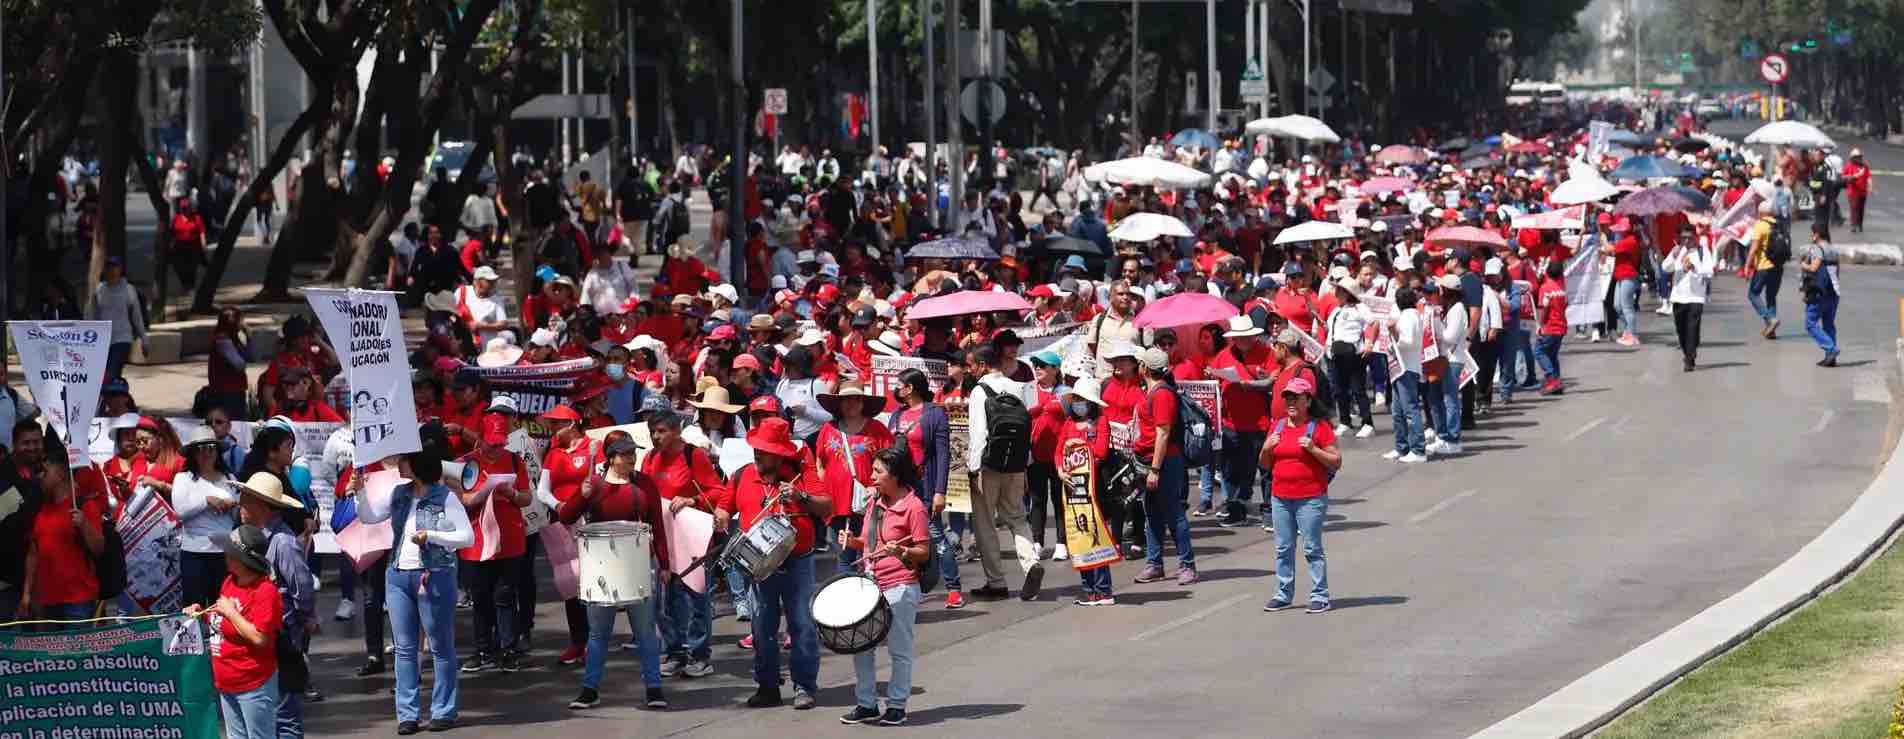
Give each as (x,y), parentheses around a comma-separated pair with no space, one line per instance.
(1044,488)
(493,596)
(201,574)
(1487,354)
(577,615)
(1686,318)
(1351,387)
(371,585)
(526,588)
(1125,520)
(185,262)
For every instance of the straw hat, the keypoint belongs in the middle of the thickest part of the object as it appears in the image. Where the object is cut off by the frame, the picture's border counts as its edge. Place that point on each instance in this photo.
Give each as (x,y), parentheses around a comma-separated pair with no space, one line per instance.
(270,489)
(870,404)
(498,352)
(715,399)
(1241,326)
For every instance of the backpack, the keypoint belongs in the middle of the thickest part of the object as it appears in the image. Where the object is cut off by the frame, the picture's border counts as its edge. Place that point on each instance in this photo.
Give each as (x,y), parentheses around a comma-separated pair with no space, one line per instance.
(1195,432)
(1322,403)
(1309,431)
(1007,432)
(1779,249)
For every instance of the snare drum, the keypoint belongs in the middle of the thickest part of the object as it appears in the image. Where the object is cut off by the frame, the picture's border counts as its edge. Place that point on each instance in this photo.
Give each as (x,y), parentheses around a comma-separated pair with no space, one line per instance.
(851,613)
(762,548)
(616,569)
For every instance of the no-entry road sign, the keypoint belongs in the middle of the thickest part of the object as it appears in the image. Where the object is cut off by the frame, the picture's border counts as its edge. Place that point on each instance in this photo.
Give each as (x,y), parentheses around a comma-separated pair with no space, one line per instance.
(1775,69)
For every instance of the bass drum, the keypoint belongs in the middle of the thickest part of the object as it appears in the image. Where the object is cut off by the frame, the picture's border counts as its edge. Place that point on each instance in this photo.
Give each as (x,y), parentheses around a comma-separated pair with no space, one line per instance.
(850,613)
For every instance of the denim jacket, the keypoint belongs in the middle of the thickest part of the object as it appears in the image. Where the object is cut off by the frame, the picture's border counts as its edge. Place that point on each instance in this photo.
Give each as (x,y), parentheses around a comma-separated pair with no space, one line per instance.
(430,517)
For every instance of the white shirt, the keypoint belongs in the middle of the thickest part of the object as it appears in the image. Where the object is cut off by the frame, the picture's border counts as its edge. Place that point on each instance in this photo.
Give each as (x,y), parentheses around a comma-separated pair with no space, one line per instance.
(1453,339)
(1346,324)
(607,289)
(1408,339)
(1491,305)
(375,508)
(203,530)
(975,410)
(479,211)
(483,310)
(1689,285)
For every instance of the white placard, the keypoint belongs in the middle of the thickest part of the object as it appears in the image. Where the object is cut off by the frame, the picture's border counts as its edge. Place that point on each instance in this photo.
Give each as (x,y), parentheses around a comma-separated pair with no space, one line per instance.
(367,328)
(64,363)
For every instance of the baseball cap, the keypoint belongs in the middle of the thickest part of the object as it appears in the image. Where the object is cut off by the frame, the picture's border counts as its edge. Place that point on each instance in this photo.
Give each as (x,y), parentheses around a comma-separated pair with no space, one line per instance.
(1289,337)
(1153,358)
(485,272)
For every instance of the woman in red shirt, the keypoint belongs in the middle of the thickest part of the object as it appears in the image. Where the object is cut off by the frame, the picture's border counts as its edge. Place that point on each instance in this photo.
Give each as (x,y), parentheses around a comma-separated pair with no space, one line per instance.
(846,447)
(500,547)
(1295,302)
(1160,450)
(159,446)
(188,243)
(126,467)
(1627,254)
(244,633)
(1301,458)
(1084,424)
(68,533)
(569,462)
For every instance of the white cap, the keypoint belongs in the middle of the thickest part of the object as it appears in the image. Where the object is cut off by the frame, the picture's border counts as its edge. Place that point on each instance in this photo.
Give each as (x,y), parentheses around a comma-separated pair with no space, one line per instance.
(1493,267)
(486,272)
(542,337)
(810,337)
(805,255)
(503,403)
(1120,349)
(1154,359)
(726,292)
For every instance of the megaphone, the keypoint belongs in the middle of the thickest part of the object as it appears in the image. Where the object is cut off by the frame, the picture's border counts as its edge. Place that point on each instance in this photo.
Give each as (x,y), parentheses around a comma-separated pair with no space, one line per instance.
(462,472)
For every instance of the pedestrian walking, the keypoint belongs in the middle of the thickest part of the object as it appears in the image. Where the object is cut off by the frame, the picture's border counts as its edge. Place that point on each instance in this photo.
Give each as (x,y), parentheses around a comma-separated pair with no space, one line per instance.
(1818,266)
(1771,249)
(1691,264)
(1857,185)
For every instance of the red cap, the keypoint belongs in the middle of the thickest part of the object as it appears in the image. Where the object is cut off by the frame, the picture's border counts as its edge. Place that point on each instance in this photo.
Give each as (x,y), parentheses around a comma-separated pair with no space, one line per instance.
(495,429)
(764,404)
(1606,219)
(747,361)
(562,413)
(448,364)
(587,390)
(1041,291)
(723,332)
(828,293)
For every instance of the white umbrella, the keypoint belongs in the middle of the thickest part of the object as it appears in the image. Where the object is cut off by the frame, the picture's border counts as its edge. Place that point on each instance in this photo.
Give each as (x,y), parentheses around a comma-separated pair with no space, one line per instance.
(1148,171)
(1791,133)
(1583,190)
(1143,227)
(1294,127)
(1314,231)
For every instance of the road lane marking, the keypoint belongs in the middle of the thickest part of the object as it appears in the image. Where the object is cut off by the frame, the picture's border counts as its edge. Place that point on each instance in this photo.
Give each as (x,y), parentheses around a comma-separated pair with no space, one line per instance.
(1824,419)
(1442,506)
(1194,617)
(1591,425)
(1619,427)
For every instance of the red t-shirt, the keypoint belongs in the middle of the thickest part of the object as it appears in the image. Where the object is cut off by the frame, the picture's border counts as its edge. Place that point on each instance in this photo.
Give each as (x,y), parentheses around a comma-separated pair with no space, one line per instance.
(513,535)
(1245,408)
(186,230)
(750,492)
(1626,259)
(1121,398)
(63,570)
(689,472)
(315,411)
(908,424)
(1294,308)
(1553,308)
(834,443)
(1294,472)
(471,254)
(239,667)
(1045,419)
(567,468)
(1157,412)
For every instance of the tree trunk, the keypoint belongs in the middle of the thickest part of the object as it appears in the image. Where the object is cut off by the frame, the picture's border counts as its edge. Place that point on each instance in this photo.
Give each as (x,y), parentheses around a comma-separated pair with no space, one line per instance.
(202,301)
(162,235)
(118,85)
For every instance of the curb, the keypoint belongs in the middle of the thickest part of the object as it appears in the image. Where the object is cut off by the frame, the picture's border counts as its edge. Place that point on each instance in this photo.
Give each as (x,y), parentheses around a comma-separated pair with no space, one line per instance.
(1880,254)
(1600,696)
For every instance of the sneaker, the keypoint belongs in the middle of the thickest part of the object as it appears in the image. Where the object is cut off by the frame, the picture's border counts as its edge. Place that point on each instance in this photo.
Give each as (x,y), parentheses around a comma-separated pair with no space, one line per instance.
(441,724)
(632,645)
(1268,527)
(1034,581)
(655,699)
(479,663)
(372,666)
(1429,435)
(991,592)
(346,610)
(1391,455)
(743,615)
(588,699)
(1830,360)
(1317,606)
(1086,599)
(1341,429)
(860,715)
(1627,340)
(1412,458)
(1186,575)
(573,655)
(747,642)
(317,583)
(1665,309)
(1450,447)
(406,728)
(1381,400)
(1276,604)
(1233,520)
(954,600)
(1201,511)
(1366,431)
(671,666)
(697,668)
(1105,599)
(803,700)
(1433,447)
(765,697)
(1060,554)
(464,603)
(1771,329)
(893,717)
(1151,573)
(510,661)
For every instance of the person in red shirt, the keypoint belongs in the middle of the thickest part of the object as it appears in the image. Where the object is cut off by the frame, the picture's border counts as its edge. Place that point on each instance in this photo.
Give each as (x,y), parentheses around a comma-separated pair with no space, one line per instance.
(845,448)
(1301,457)
(569,462)
(159,446)
(622,494)
(684,477)
(776,485)
(496,556)
(1160,449)
(1041,476)
(299,347)
(462,412)
(126,467)
(188,243)
(68,532)
(301,400)
(1295,301)
(895,533)
(244,626)
(1627,255)
(1242,369)
(1857,181)
(1552,300)
(1122,392)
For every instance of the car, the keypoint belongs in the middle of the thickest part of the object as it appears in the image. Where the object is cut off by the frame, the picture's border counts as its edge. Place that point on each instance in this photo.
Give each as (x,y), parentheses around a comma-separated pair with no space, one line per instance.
(453,155)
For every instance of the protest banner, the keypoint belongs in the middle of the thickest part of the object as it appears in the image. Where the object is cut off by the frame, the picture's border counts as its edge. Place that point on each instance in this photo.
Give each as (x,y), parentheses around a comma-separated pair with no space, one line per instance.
(536,387)
(64,363)
(1040,338)
(886,372)
(958,486)
(147,678)
(1085,535)
(311,438)
(149,529)
(1380,308)
(1209,395)
(366,326)
(1599,139)
(1312,350)
(1586,285)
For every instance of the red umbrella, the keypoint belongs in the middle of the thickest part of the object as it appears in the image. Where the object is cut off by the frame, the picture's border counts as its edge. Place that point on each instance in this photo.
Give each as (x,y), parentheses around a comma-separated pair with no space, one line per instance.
(965,302)
(1452,235)
(1185,309)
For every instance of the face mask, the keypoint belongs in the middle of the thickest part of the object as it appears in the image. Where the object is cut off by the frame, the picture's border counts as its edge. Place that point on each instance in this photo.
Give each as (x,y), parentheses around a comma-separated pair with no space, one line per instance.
(616,372)
(1080,409)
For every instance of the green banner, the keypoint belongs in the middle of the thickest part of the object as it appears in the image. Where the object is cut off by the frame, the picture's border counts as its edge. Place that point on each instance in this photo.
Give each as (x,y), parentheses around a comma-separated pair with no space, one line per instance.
(148,679)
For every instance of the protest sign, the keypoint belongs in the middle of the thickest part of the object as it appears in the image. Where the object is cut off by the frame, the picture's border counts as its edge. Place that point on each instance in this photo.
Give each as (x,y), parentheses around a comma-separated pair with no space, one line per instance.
(366,326)
(149,529)
(64,363)
(1085,534)
(886,372)
(536,387)
(148,678)
(311,438)
(1312,350)
(1599,139)
(958,486)
(1209,395)
(1586,285)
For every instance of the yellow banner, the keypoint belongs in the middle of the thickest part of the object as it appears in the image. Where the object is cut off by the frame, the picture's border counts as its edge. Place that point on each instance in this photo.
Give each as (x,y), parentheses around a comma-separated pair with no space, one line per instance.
(1091,544)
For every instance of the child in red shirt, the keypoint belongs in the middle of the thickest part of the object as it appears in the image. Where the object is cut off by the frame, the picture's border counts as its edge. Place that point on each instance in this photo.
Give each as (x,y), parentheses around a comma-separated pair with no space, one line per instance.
(1552,299)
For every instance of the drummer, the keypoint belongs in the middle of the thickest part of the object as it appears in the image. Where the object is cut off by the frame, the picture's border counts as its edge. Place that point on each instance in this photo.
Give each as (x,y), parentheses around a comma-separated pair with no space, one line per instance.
(684,476)
(622,494)
(897,551)
(756,493)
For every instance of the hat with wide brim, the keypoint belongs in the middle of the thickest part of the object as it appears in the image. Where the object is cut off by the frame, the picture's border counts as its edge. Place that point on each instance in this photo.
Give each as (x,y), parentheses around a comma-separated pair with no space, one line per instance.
(715,398)
(870,404)
(1087,388)
(201,435)
(1242,326)
(441,301)
(269,488)
(772,436)
(888,344)
(498,352)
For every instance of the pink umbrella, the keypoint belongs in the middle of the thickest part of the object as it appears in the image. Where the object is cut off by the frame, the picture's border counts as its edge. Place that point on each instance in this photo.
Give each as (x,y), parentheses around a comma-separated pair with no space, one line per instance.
(1385,185)
(1185,309)
(1466,235)
(1401,155)
(965,302)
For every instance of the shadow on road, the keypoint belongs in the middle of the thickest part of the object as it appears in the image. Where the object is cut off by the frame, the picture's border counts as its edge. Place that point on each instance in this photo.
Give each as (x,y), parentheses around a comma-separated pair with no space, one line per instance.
(1368,600)
(940,714)
(1229,574)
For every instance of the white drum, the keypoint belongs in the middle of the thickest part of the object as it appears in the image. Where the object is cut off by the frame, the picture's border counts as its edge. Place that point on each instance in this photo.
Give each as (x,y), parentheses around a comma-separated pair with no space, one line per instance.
(851,614)
(616,564)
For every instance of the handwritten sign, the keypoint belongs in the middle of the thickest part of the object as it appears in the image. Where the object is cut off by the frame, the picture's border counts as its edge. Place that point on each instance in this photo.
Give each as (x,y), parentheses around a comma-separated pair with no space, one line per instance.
(366,326)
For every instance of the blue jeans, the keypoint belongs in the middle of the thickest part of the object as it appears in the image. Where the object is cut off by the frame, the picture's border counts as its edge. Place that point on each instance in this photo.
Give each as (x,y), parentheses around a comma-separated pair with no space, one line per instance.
(1300,517)
(1164,507)
(68,612)
(1821,321)
(1549,355)
(737,582)
(1765,282)
(686,618)
(1096,580)
(641,618)
(845,560)
(1378,372)
(788,590)
(948,546)
(1405,409)
(1239,469)
(290,714)
(434,610)
(1206,486)
(904,600)
(1450,430)
(1626,298)
(253,713)
(1508,374)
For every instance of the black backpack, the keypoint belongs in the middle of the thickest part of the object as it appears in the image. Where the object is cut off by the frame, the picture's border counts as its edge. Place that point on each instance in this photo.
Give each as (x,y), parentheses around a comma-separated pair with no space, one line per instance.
(1007,432)
(1194,431)
(1779,249)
